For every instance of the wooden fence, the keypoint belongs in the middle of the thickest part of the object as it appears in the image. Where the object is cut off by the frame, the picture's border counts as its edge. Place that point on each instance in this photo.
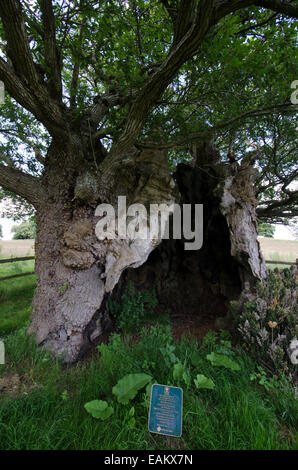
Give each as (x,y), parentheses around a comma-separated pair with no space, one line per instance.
(25,258)
(12,260)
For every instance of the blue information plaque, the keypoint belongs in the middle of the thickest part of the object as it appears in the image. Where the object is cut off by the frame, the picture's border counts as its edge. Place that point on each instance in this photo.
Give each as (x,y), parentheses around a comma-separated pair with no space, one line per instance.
(165,413)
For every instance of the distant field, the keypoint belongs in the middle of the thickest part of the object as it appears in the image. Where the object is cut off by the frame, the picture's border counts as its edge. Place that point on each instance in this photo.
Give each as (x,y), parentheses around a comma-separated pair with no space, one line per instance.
(279,250)
(16,248)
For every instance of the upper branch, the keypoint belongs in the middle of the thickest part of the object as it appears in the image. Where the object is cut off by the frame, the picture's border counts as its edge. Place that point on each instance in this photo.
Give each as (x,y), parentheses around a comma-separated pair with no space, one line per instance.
(52,56)
(230,123)
(36,101)
(223,8)
(20,75)
(279,7)
(198,21)
(18,49)
(24,185)
(194,20)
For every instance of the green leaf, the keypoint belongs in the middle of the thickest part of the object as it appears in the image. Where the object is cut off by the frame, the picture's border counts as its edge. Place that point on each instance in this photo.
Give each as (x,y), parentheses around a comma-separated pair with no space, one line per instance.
(148,389)
(127,387)
(178,371)
(220,360)
(186,377)
(99,409)
(195,358)
(203,382)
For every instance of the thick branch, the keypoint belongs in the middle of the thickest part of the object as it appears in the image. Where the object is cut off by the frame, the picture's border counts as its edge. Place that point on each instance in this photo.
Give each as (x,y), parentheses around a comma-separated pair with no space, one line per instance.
(17,42)
(51,52)
(279,7)
(194,20)
(223,8)
(284,208)
(199,20)
(20,183)
(20,75)
(37,102)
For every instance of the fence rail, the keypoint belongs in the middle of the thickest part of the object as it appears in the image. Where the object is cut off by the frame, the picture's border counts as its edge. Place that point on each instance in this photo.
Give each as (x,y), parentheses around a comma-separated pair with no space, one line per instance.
(13,260)
(26,258)
(282,262)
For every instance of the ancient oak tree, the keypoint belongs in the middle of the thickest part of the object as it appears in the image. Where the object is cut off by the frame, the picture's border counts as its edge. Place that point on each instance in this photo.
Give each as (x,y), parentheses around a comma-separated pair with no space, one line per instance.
(131,98)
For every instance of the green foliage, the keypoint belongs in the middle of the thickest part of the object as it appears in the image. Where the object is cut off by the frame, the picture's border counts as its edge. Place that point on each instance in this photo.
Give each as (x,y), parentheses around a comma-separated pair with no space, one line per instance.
(209,340)
(266,230)
(248,61)
(133,308)
(127,388)
(99,409)
(1,232)
(274,382)
(203,382)
(64,395)
(268,324)
(181,374)
(220,360)
(25,230)
(168,354)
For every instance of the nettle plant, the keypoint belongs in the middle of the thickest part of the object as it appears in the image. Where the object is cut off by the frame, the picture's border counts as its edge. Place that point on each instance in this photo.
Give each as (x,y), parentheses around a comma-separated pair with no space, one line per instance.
(269,324)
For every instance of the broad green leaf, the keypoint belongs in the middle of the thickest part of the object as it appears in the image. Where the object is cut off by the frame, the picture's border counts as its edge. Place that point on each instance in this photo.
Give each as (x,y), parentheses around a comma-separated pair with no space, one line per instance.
(99,409)
(178,371)
(220,360)
(195,358)
(203,382)
(127,387)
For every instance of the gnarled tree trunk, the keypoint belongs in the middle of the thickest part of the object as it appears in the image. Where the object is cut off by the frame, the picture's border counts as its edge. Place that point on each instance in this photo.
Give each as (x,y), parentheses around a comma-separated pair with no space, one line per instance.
(77,272)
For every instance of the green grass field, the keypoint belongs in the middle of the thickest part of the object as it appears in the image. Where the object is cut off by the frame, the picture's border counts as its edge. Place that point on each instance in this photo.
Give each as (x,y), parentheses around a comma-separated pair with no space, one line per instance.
(42,401)
(15,294)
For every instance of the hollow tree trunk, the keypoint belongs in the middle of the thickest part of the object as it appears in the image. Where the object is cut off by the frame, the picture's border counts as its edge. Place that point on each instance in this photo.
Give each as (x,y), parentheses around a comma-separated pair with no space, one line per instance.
(226,268)
(77,273)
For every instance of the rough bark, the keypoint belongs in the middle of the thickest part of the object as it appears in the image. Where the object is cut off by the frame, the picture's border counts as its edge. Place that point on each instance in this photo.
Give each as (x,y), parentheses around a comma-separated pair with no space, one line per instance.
(77,273)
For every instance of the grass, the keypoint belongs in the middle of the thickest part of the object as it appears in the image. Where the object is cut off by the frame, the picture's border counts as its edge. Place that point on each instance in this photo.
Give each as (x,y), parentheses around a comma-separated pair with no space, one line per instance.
(36,413)
(15,295)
